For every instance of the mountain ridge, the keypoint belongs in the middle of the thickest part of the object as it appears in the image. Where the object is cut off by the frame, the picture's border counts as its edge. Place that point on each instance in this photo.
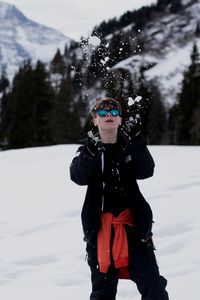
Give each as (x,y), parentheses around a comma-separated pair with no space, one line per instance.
(168,41)
(22,39)
(161,37)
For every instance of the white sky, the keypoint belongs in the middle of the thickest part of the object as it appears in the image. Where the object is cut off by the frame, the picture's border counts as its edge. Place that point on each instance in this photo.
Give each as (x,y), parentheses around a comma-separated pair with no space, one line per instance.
(75,18)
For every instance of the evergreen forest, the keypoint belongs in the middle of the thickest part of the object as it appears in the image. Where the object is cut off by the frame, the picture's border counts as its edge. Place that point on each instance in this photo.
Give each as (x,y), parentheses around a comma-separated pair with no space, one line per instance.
(48,104)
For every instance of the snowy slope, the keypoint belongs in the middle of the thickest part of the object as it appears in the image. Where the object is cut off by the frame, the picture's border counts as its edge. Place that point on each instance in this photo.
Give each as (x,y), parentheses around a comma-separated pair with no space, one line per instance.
(21,39)
(168,70)
(41,248)
(168,42)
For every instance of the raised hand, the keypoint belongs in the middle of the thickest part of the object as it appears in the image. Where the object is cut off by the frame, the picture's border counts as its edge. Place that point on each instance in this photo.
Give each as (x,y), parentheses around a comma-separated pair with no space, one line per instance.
(94,144)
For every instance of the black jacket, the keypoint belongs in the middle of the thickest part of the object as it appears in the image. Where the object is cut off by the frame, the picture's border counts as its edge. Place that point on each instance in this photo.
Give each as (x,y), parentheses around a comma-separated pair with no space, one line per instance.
(135,162)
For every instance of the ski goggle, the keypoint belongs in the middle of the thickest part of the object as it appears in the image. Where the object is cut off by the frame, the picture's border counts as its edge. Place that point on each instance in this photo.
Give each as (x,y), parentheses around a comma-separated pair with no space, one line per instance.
(103,112)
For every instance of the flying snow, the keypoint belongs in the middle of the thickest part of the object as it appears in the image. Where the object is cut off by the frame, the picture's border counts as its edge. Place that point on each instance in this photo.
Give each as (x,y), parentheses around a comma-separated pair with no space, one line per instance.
(94,41)
(131,101)
(138,98)
(104,61)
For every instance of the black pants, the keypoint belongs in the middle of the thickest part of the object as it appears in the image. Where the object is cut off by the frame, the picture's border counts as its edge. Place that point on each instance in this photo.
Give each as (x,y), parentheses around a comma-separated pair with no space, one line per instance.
(143,271)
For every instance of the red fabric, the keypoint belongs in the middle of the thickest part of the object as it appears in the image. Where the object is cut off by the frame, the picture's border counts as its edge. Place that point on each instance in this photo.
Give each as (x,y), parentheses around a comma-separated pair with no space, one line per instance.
(124,273)
(120,242)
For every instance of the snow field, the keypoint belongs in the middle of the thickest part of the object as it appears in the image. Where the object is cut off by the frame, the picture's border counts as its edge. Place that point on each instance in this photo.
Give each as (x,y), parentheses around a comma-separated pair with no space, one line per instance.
(42,254)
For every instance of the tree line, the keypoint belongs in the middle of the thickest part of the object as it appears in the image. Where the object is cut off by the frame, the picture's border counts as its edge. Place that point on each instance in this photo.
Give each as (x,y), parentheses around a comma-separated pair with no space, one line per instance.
(137,18)
(50,104)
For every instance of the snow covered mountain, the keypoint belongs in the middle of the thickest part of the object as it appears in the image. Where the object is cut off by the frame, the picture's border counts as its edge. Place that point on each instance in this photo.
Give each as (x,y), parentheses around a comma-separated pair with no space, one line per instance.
(21,39)
(159,39)
(168,42)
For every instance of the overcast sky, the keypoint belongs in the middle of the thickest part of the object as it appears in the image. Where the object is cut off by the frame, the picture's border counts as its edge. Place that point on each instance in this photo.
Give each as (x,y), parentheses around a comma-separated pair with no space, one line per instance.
(75,18)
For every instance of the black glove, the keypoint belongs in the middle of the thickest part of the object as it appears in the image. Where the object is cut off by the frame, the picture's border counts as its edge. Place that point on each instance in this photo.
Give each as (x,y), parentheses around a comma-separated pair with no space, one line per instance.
(94,144)
(132,125)
(135,114)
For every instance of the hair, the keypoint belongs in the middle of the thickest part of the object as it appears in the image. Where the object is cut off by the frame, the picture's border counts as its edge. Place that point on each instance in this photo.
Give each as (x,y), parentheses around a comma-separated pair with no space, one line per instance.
(109,102)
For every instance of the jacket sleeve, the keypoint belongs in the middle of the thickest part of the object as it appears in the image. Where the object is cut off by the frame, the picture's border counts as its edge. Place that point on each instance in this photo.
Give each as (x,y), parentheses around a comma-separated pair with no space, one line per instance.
(141,157)
(83,166)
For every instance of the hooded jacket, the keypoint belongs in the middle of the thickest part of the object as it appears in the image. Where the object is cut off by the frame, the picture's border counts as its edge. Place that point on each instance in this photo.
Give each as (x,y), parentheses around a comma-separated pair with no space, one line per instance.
(135,162)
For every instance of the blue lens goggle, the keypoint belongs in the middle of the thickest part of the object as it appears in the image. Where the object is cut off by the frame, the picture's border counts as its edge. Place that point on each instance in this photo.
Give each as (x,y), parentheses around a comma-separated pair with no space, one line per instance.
(103,112)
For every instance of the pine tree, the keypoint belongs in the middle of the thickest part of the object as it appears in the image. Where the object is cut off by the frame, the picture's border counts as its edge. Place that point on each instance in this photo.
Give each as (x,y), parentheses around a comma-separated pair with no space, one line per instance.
(195,131)
(97,67)
(157,120)
(171,124)
(118,85)
(67,108)
(67,116)
(197,32)
(4,85)
(188,103)
(43,129)
(143,91)
(151,110)
(57,70)
(4,117)
(31,108)
(4,81)
(119,48)
(162,4)
(176,6)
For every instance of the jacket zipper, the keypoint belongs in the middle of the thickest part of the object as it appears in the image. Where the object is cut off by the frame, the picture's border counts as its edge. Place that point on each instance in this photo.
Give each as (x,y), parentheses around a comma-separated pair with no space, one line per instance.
(102,169)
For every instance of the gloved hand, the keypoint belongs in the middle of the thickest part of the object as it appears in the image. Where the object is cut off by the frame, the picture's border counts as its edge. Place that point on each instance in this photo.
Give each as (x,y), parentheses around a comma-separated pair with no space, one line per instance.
(94,144)
(132,125)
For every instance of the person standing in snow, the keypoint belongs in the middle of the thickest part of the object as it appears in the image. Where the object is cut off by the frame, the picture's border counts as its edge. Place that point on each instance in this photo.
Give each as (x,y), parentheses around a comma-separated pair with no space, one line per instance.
(116,219)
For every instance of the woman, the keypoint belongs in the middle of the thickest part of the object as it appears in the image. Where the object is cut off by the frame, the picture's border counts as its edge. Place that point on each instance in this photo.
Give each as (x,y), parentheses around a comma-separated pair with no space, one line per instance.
(116,219)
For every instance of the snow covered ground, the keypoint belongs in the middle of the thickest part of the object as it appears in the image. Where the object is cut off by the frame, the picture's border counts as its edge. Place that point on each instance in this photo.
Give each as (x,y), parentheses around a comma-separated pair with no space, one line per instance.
(41,249)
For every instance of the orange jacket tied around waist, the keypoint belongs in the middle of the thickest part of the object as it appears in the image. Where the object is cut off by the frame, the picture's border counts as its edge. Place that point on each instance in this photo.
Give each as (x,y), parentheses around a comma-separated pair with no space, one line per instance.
(119,249)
